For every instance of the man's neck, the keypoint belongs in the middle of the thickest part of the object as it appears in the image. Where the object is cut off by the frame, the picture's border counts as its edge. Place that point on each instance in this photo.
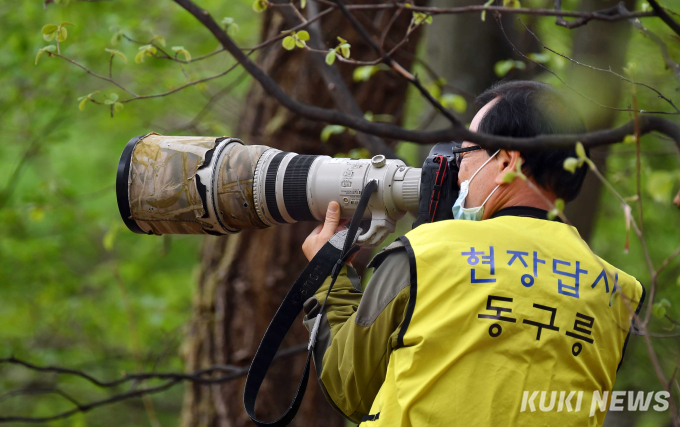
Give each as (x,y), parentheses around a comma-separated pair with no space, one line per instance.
(522,195)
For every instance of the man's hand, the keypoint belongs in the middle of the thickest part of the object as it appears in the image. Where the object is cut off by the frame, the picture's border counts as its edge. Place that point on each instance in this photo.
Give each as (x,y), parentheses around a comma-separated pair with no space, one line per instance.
(323,232)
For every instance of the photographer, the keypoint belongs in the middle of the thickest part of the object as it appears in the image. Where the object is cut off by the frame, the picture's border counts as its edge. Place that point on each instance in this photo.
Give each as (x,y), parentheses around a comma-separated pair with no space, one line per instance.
(463,319)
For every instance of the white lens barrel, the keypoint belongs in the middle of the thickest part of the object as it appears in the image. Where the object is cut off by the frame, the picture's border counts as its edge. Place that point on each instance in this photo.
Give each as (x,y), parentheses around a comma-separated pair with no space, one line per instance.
(289,187)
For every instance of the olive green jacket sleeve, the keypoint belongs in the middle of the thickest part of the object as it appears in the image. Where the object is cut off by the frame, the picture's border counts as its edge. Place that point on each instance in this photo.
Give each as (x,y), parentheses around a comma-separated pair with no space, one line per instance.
(359,330)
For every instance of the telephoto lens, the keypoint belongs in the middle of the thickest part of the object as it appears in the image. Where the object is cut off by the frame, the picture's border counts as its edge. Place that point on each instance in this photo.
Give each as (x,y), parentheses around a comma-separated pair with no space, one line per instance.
(209,185)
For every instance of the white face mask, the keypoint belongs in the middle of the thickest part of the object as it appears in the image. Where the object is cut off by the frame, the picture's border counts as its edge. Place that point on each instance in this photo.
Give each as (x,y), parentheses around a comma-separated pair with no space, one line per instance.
(473,214)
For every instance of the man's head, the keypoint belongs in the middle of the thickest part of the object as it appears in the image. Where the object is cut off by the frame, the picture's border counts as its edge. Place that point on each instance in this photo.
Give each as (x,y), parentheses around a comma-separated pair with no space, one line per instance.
(521,109)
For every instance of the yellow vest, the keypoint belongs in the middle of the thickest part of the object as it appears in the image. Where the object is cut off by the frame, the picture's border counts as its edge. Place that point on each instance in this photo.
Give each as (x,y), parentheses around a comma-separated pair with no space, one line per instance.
(500,309)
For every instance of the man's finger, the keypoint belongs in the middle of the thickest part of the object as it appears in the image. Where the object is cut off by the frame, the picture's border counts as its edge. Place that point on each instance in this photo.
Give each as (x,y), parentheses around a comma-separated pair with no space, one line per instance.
(332,219)
(316,230)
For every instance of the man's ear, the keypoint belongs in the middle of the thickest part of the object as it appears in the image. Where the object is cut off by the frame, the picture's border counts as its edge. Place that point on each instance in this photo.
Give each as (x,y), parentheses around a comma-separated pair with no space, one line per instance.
(507,161)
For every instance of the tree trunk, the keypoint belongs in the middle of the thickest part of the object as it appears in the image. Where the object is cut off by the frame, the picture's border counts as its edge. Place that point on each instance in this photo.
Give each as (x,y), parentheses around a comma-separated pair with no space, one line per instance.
(464,49)
(244,277)
(603,45)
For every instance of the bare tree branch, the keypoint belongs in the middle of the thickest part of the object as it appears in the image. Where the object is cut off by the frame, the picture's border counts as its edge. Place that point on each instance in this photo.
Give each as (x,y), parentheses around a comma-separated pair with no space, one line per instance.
(456,133)
(342,97)
(612,11)
(656,39)
(567,85)
(595,16)
(661,13)
(604,71)
(395,65)
(173,378)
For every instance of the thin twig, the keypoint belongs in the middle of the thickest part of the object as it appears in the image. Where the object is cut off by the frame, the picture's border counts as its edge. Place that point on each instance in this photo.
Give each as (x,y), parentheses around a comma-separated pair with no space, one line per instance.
(99,76)
(395,65)
(665,54)
(609,70)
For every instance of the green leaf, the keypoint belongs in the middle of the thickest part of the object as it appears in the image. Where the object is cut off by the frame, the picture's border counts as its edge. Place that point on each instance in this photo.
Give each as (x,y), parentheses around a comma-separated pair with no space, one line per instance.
(49,37)
(664,302)
(148,49)
(181,50)
(559,205)
(501,68)
(512,3)
(359,153)
(454,101)
(83,101)
(49,29)
(118,107)
(580,151)
(570,164)
(341,40)
(630,69)
(660,186)
(329,130)
(159,39)
(344,48)
(259,6)
(364,73)
(117,53)
(303,35)
(520,65)
(488,3)
(66,24)
(419,18)
(552,214)
(112,99)
(288,43)
(110,238)
(330,57)
(36,214)
(541,58)
(629,139)
(509,177)
(227,20)
(116,38)
(299,43)
(61,34)
(50,48)
(658,310)
(303,3)
(434,89)
(233,29)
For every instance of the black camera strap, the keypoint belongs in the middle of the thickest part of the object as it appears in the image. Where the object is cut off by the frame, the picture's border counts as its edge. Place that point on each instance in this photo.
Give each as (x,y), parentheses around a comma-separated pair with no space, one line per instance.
(328,261)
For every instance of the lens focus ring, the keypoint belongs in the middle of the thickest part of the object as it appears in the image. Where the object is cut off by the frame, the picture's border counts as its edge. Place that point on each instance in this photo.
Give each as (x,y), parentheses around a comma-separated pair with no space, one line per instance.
(295,188)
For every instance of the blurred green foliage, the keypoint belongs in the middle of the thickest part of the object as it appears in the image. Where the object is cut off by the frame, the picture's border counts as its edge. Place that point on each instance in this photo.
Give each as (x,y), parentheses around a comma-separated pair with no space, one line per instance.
(62,242)
(76,287)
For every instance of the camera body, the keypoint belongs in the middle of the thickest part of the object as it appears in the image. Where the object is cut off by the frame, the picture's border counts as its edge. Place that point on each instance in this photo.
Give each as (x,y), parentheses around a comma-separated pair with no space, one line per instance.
(438,184)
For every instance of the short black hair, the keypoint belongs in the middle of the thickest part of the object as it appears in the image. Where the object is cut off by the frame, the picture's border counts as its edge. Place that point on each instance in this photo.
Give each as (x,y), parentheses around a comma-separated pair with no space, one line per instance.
(527,109)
